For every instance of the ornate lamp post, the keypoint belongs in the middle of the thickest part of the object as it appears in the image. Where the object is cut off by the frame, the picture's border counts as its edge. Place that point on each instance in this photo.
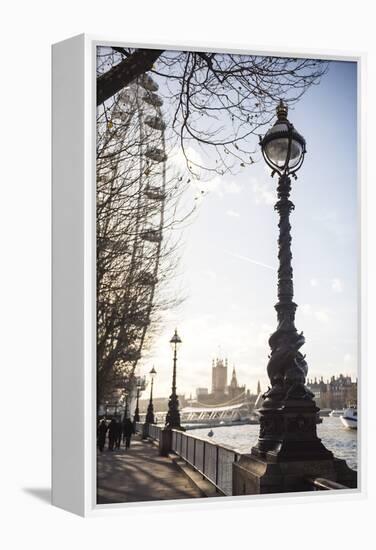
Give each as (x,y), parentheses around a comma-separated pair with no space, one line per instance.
(150,412)
(288,415)
(136,417)
(173,415)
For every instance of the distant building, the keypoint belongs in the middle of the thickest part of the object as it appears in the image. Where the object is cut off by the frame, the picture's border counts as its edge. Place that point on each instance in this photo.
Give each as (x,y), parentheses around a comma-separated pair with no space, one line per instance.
(219,377)
(223,393)
(335,393)
(318,388)
(234,390)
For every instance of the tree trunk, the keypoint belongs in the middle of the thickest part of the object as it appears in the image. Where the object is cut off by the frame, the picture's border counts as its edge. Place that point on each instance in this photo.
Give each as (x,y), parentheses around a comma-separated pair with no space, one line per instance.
(125,72)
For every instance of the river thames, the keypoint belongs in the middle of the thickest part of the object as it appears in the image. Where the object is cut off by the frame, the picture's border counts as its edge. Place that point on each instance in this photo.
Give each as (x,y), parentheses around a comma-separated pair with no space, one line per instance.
(341,441)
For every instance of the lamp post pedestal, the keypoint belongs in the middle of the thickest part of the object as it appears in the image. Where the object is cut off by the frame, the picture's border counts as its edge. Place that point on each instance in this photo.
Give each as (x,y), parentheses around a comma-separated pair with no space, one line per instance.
(165,441)
(136,417)
(288,453)
(145,430)
(173,414)
(288,432)
(150,414)
(253,475)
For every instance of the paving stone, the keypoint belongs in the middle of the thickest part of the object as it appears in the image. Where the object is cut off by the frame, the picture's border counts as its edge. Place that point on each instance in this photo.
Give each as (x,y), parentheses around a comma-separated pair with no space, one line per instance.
(140,474)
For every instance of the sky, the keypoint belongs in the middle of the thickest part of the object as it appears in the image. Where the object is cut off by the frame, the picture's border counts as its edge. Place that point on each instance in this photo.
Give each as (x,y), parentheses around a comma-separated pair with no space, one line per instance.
(228,266)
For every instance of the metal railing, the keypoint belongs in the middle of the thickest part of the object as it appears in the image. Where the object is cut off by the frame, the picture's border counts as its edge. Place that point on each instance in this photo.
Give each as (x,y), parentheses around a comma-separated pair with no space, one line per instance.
(138,426)
(152,430)
(214,462)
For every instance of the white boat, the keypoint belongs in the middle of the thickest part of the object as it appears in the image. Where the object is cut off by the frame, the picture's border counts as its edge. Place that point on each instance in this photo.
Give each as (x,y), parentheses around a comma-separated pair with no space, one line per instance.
(337,412)
(350,418)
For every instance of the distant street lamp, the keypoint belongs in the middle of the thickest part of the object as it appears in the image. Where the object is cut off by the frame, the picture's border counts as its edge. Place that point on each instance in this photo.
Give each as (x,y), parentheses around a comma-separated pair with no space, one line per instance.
(173,415)
(150,412)
(288,414)
(136,417)
(126,393)
(106,409)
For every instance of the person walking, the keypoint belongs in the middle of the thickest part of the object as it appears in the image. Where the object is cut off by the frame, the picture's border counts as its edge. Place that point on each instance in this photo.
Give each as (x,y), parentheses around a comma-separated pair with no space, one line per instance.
(112,433)
(101,434)
(128,431)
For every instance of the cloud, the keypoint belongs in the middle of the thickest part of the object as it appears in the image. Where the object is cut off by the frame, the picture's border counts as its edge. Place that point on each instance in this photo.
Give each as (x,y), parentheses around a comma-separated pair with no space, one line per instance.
(232,214)
(306,309)
(322,315)
(178,161)
(264,192)
(231,186)
(210,274)
(261,338)
(314,282)
(331,222)
(220,185)
(337,285)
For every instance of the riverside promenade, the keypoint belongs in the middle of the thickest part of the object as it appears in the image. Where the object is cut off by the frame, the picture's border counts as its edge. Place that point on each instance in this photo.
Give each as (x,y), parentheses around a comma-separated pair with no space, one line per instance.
(141,474)
(194,468)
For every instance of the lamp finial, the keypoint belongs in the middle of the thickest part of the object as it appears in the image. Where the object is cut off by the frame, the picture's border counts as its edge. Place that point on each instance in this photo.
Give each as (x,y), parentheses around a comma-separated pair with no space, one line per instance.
(282,110)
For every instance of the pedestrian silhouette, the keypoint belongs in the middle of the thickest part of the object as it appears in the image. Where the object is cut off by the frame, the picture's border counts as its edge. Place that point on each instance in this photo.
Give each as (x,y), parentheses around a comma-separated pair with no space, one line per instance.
(101,434)
(128,431)
(112,433)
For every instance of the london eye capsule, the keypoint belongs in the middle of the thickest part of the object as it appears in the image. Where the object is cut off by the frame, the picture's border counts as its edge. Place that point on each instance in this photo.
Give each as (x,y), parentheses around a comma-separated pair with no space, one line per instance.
(148,83)
(155,122)
(152,235)
(155,193)
(153,99)
(156,154)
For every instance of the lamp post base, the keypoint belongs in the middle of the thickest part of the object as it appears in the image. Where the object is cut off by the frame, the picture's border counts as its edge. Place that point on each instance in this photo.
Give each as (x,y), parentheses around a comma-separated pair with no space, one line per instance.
(288,453)
(145,430)
(254,476)
(165,441)
(288,431)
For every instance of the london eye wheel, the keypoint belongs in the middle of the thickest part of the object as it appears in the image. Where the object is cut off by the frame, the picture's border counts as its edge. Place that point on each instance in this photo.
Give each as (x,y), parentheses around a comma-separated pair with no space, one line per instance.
(131,201)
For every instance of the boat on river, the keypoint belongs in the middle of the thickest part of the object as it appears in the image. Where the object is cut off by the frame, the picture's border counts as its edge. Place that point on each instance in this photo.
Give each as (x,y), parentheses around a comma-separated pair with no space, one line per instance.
(350,418)
(337,412)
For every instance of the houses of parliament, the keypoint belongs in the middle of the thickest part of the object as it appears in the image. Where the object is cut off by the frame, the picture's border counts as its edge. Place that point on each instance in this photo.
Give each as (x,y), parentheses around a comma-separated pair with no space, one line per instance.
(223,393)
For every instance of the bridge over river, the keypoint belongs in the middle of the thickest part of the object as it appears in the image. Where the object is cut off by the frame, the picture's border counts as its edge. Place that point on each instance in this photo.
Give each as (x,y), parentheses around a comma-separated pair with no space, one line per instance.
(213,416)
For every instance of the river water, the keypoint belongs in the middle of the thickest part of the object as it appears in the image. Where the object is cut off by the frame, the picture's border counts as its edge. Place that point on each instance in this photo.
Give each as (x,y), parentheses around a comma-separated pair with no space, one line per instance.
(341,441)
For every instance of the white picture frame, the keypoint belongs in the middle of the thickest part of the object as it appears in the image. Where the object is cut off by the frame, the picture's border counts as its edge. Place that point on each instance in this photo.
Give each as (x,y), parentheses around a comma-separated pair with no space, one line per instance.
(73,290)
